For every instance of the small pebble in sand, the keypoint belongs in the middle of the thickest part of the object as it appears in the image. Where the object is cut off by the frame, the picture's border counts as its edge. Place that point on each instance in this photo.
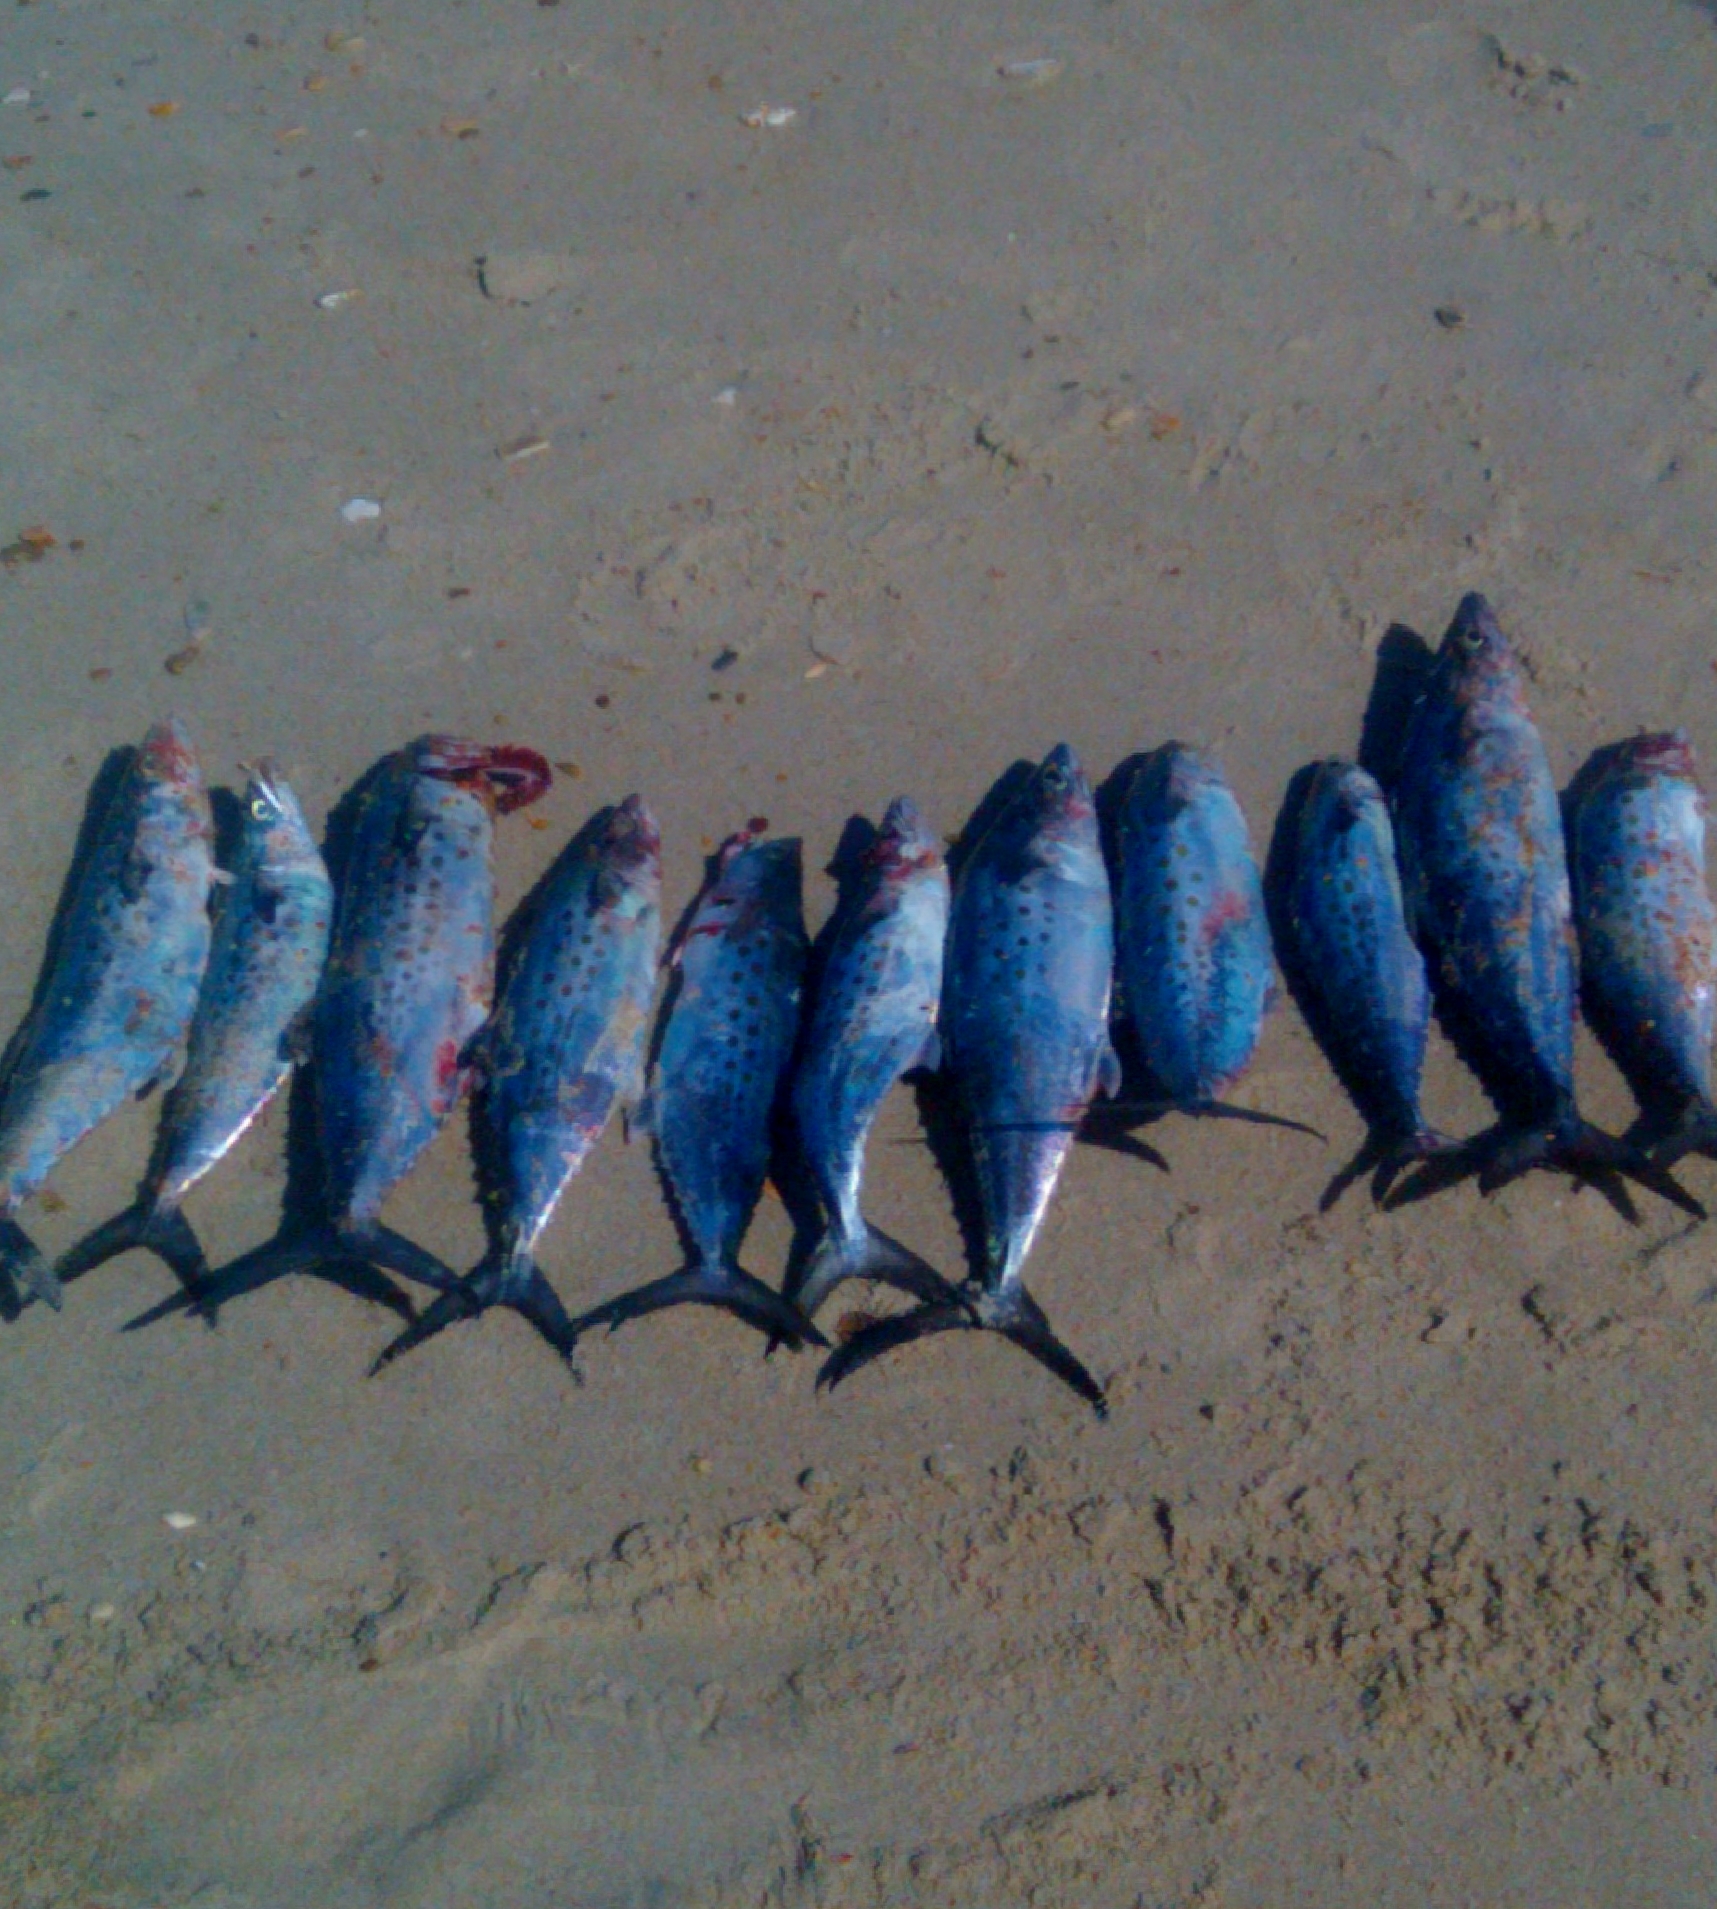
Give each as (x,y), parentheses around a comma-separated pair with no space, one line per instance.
(102,1613)
(332,301)
(521,448)
(1450,317)
(19,96)
(1034,72)
(770,116)
(179,1520)
(361,510)
(727,397)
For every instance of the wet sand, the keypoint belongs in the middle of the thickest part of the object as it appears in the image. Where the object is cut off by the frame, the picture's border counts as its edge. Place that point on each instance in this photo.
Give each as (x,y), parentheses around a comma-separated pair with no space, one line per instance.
(983,403)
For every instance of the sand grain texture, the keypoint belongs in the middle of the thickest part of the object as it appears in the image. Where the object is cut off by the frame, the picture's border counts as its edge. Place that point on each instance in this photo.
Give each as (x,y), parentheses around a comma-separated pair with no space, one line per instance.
(982,404)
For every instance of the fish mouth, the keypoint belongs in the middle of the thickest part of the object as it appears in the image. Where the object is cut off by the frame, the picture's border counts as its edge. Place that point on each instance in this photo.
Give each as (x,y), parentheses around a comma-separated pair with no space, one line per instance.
(1665,752)
(168,753)
(635,828)
(507,775)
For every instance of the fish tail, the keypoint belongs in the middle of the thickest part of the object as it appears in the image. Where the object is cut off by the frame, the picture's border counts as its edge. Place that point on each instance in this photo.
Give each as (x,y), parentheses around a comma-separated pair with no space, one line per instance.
(163,1231)
(1013,1313)
(1385,1155)
(719,1283)
(872,1255)
(323,1252)
(1695,1132)
(1572,1145)
(500,1279)
(21,1257)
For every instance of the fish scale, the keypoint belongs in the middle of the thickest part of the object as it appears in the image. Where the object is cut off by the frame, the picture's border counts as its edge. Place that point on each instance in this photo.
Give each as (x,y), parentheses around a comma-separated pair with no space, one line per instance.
(1025,1034)
(265,960)
(564,1045)
(874,1018)
(115,1005)
(1485,876)
(729,1036)
(1648,930)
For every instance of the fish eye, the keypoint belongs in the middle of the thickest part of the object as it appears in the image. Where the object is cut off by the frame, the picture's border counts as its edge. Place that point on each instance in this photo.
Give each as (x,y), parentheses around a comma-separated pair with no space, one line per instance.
(1053,779)
(260,808)
(1471,640)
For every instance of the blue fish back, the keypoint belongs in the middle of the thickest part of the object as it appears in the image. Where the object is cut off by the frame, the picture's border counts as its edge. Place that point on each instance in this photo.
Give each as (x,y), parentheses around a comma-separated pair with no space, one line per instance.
(729,1037)
(1194,939)
(1353,948)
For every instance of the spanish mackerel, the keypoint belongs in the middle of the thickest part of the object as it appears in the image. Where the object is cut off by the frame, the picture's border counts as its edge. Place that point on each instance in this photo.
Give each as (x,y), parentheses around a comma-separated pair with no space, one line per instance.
(564,1046)
(724,1052)
(874,1019)
(1485,877)
(270,940)
(112,1009)
(407,985)
(1026,1037)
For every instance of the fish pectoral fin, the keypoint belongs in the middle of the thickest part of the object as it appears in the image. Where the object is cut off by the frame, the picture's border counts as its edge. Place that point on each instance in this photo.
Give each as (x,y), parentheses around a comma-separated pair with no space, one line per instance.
(874,1256)
(724,1286)
(929,1057)
(22,1259)
(295,1037)
(641,1116)
(1014,1314)
(1108,1079)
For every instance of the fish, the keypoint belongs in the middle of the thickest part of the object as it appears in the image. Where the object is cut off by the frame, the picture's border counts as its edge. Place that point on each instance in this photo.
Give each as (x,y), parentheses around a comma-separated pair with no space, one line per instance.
(1363,976)
(406,988)
(1485,879)
(563,1048)
(732,1020)
(873,1020)
(121,982)
(1193,956)
(1648,931)
(1025,1034)
(265,959)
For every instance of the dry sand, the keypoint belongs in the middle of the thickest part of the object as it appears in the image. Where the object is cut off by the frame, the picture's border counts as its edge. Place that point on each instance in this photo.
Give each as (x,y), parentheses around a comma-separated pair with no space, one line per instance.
(968,410)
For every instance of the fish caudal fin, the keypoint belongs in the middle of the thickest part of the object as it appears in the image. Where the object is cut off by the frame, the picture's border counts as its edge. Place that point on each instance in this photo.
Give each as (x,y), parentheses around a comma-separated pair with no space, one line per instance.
(22,1258)
(710,1284)
(322,1253)
(1014,1314)
(1569,1145)
(1385,1156)
(163,1231)
(872,1256)
(1695,1132)
(518,1283)
(394,1253)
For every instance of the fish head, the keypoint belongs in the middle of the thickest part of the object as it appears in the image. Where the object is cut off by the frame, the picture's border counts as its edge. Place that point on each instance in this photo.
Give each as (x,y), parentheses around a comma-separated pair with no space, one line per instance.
(506,776)
(1344,788)
(272,816)
(630,848)
(167,755)
(755,881)
(906,843)
(1059,793)
(1665,753)
(1476,662)
(1055,820)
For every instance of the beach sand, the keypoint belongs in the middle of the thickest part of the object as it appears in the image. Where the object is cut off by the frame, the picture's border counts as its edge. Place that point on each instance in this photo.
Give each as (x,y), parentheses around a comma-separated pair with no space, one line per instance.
(1101,372)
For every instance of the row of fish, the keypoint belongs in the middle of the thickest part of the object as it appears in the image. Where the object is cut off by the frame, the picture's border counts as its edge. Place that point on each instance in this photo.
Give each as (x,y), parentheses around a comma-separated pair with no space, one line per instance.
(1456,887)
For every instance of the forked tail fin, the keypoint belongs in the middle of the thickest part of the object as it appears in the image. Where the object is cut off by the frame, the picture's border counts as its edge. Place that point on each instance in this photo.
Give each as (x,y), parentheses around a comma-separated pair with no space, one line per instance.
(163,1231)
(498,1280)
(1013,1313)
(1695,1132)
(871,1256)
(709,1283)
(21,1257)
(1385,1155)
